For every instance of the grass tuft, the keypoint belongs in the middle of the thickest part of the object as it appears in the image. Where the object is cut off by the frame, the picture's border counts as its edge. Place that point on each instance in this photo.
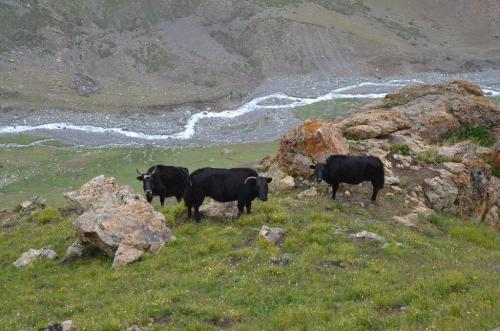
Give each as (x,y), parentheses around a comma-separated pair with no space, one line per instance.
(400,149)
(479,135)
(47,215)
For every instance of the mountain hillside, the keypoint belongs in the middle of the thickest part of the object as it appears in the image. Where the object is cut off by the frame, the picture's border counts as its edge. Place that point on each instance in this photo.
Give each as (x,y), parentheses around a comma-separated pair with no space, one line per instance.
(157,54)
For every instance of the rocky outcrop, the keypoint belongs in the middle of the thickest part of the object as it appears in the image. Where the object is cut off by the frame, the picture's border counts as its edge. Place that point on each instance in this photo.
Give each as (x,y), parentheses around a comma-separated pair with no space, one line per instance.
(313,141)
(117,220)
(34,254)
(401,130)
(374,123)
(437,109)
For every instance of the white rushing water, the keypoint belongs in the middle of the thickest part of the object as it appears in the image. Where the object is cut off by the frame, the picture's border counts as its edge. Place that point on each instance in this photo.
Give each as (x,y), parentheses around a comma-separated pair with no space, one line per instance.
(274,101)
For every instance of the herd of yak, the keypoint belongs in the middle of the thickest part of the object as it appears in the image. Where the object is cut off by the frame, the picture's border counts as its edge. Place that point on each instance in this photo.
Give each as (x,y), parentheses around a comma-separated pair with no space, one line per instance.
(245,184)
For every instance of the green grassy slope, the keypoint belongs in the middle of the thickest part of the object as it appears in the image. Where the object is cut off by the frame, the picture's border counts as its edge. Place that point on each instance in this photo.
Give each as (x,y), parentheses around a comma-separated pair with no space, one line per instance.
(441,275)
(218,275)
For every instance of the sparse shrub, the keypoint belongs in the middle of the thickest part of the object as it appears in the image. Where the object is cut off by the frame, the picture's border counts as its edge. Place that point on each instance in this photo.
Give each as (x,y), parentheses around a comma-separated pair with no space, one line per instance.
(479,135)
(17,208)
(47,215)
(400,149)
(430,156)
(350,136)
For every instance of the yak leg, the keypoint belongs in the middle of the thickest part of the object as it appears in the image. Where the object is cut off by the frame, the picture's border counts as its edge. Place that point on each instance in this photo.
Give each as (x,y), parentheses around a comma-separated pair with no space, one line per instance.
(375,192)
(249,207)
(241,205)
(335,187)
(197,204)
(162,200)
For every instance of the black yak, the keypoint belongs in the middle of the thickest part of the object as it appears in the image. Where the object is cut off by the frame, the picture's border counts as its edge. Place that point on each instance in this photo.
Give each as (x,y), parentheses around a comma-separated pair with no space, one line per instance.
(164,181)
(225,185)
(351,170)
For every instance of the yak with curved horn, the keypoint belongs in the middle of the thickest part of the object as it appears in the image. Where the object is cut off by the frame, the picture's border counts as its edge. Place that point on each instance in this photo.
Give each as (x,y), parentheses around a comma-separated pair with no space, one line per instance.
(164,181)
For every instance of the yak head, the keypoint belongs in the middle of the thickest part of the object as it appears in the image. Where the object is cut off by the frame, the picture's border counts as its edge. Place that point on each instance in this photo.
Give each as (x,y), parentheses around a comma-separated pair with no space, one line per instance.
(260,184)
(147,182)
(319,171)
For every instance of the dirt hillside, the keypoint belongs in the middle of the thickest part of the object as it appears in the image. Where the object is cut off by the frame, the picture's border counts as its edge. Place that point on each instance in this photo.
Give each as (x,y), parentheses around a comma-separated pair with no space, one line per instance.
(157,54)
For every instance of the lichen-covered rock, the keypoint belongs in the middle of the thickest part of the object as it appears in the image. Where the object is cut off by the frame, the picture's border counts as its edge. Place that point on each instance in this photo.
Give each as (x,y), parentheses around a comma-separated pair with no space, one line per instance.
(113,215)
(313,141)
(438,109)
(374,123)
(441,192)
(33,254)
(462,187)
(458,151)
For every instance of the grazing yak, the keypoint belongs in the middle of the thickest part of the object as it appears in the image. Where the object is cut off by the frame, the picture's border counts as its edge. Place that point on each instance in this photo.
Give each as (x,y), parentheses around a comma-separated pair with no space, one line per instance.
(224,185)
(164,181)
(351,170)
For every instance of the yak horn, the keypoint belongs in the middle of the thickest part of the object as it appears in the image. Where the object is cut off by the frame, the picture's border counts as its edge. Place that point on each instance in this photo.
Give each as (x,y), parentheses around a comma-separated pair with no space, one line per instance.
(251,177)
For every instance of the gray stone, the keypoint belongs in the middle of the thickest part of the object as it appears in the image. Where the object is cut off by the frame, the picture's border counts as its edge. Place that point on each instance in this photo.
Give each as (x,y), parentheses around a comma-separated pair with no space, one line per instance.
(274,235)
(33,254)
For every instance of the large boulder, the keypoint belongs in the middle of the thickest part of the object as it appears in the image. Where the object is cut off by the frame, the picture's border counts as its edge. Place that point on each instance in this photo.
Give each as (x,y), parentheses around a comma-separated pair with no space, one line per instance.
(313,141)
(117,220)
